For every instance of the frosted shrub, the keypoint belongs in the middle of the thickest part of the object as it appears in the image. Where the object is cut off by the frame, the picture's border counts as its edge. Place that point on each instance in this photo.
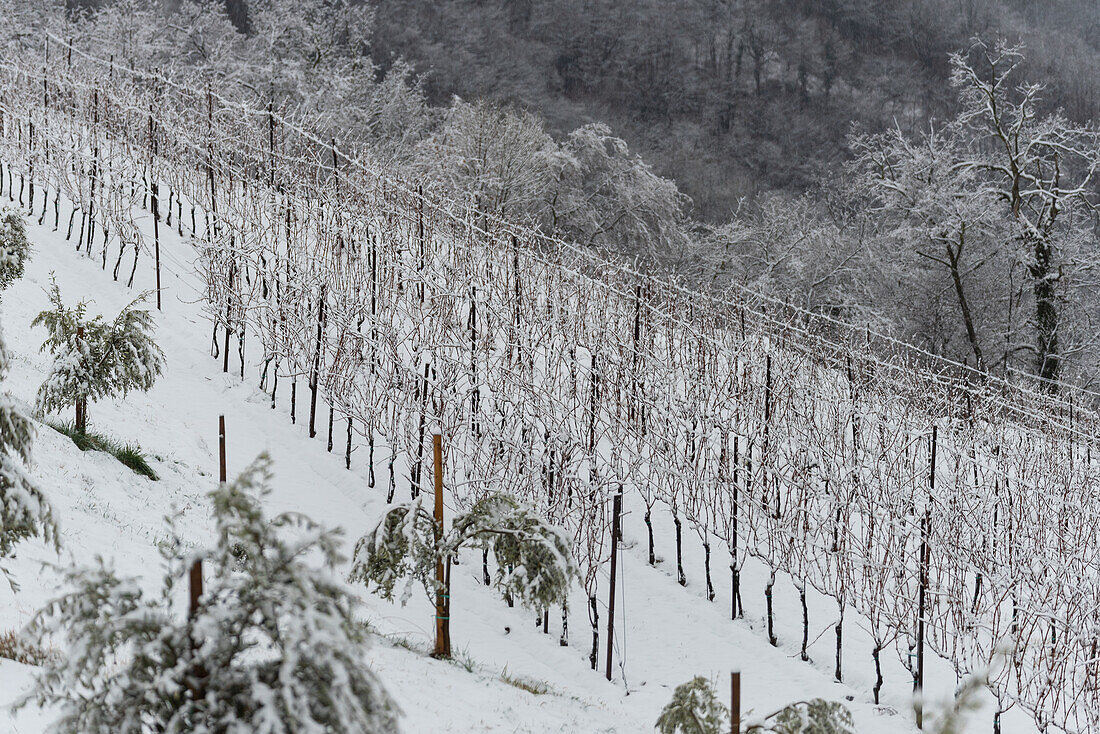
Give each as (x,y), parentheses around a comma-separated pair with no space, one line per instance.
(272,647)
(694,709)
(94,358)
(14,247)
(24,511)
(533,557)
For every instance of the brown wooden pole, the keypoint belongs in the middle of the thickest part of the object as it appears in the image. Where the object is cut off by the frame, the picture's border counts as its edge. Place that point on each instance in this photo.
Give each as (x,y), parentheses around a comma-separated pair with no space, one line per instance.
(154,201)
(735,703)
(221,449)
(156,238)
(616,510)
(196,567)
(925,558)
(81,402)
(196,587)
(443,592)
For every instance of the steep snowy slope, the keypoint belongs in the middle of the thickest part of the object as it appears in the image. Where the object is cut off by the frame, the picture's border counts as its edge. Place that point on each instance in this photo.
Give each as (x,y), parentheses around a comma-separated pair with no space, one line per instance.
(106,510)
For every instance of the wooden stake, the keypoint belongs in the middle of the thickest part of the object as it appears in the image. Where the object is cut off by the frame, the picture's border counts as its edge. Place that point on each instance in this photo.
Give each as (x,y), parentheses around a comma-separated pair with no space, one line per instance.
(443,594)
(925,557)
(196,587)
(616,510)
(196,567)
(81,402)
(154,203)
(735,703)
(221,449)
(156,239)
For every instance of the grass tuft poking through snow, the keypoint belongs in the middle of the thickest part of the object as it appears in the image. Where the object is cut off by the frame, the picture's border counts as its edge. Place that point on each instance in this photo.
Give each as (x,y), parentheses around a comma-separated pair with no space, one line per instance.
(534,687)
(128,454)
(14,647)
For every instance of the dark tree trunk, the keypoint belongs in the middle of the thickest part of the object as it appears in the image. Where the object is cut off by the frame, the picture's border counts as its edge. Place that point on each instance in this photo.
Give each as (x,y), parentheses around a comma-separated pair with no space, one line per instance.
(595,619)
(680,577)
(330,416)
(771,617)
(710,586)
(1048,361)
(347,452)
(649,530)
(875,653)
(838,673)
(370,457)
(953,256)
(804,653)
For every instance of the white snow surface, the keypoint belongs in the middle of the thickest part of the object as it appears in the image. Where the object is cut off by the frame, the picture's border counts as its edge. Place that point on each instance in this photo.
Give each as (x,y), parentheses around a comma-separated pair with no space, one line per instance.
(664,634)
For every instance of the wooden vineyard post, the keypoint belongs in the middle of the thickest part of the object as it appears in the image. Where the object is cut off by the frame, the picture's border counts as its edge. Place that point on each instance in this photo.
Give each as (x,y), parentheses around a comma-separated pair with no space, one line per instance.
(616,510)
(154,203)
(735,702)
(925,557)
(443,591)
(196,567)
(196,587)
(81,402)
(221,449)
(156,238)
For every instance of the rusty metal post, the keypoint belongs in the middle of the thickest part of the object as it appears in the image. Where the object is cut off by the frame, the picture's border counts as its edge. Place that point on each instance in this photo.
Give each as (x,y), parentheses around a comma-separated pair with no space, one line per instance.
(443,590)
(616,510)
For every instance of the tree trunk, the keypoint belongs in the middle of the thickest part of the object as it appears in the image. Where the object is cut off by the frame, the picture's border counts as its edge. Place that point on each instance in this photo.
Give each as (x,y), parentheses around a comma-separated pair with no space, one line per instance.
(838,673)
(1048,362)
(804,654)
(347,452)
(771,617)
(953,256)
(330,416)
(649,529)
(710,586)
(878,671)
(680,577)
(595,618)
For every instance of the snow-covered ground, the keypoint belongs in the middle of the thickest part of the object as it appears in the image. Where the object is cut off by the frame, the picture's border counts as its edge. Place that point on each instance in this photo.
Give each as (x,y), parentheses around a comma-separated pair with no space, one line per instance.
(665,634)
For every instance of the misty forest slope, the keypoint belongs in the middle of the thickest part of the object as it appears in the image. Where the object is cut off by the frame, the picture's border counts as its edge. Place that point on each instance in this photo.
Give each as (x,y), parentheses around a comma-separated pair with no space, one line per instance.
(734,97)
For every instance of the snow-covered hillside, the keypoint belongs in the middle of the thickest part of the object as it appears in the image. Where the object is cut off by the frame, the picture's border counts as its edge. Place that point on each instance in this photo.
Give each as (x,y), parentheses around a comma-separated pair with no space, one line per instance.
(104,509)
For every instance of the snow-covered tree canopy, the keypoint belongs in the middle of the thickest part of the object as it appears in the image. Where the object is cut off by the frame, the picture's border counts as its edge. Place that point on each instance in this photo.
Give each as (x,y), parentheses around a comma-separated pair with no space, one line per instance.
(14,247)
(816,716)
(24,511)
(94,358)
(273,647)
(694,709)
(533,557)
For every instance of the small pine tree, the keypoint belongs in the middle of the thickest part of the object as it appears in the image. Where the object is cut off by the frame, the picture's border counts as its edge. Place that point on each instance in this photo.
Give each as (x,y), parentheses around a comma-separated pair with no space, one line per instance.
(533,557)
(94,359)
(24,511)
(694,709)
(14,247)
(273,647)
